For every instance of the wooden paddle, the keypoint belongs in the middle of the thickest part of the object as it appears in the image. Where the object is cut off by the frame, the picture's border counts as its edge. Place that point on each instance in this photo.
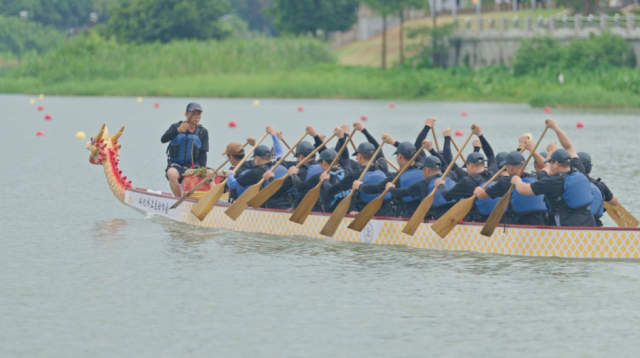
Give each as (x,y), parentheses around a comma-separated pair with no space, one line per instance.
(304,208)
(435,138)
(240,204)
(448,221)
(498,212)
(620,215)
(372,208)
(275,185)
(210,199)
(391,164)
(341,210)
(206,180)
(464,160)
(418,216)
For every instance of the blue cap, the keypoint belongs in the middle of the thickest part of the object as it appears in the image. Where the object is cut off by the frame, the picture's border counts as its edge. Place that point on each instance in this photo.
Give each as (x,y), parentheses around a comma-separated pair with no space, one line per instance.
(514,158)
(406,148)
(366,148)
(500,159)
(328,155)
(431,162)
(585,158)
(475,157)
(262,151)
(560,156)
(193,106)
(304,148)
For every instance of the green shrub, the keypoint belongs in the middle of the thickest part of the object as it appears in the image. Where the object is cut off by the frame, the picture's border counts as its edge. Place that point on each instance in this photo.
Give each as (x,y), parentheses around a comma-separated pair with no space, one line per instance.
(19,37)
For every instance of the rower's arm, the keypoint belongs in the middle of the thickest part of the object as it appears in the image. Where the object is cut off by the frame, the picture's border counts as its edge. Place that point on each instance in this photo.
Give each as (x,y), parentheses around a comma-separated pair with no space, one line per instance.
(439,156)
(488,151)
(446,150)
(232,183)
(421,137)
(376,188)
(277,147)
(318,142)
(614,201)
(564,140)
(171,133)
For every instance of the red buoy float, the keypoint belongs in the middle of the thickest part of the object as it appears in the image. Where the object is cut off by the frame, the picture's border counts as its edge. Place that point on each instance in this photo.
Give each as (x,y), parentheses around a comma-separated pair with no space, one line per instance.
(232,124)
(300,109)
(579,125)
(39,134)
(464,113)
(40,108)
(392,105)
(458,133)
(547,109)
(156,105)
(363,118)
(47,117)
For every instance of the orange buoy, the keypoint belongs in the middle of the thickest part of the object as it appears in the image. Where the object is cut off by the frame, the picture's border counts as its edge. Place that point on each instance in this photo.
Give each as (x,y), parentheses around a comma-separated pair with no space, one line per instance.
(579,125)
(232,124)
(47,117)
(459,133)
(547,109)
(39,134)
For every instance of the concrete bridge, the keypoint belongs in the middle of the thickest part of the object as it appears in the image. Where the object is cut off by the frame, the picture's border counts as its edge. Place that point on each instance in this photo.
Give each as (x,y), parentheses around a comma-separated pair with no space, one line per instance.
(484,42)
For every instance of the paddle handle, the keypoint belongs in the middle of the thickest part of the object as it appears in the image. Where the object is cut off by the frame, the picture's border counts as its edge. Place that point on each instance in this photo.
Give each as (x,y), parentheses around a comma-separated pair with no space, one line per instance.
(286,144)
(250,152)
(435,138)
(391,164)
(315,151)
(533,151)
(353,145)
(455,146)
(335,160)
(288,152)
(494,177)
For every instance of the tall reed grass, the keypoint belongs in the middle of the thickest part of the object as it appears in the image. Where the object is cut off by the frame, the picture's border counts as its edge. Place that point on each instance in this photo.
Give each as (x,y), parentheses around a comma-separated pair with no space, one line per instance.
(92,57)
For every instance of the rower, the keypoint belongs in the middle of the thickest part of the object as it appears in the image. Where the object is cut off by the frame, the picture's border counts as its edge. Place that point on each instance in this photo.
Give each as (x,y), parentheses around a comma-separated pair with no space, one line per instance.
(523,210)
(478,175)
(326,202)
(188,148)
(431,170)
(377,173)
(599,190)
(310,167)
(262,159)
(567,188)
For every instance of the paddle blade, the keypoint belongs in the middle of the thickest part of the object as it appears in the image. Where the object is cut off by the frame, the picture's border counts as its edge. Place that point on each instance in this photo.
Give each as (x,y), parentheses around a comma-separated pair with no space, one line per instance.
(336,218)
(620,215)
(240,204)
(418,216)
(266,193)
(366,214)
(204,206)
(306,205)
(448,221)
(496,215)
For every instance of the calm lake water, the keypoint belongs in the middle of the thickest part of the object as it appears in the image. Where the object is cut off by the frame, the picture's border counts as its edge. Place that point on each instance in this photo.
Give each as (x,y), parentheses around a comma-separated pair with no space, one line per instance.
(82,275)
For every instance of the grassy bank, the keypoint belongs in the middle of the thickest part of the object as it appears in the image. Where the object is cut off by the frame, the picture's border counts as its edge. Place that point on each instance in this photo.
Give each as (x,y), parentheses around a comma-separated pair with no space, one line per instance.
(613,88)
(297,68)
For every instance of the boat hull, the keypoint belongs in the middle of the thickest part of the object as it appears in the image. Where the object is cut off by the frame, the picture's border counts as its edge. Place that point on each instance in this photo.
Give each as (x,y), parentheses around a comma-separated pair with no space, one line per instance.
(534,241)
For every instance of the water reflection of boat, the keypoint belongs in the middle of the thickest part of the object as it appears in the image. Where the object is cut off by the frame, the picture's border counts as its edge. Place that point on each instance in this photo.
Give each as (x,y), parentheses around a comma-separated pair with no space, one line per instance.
(540,241)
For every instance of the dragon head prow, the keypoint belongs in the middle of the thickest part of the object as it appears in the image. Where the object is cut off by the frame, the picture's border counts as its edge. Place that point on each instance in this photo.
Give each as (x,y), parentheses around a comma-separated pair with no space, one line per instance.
(100,142)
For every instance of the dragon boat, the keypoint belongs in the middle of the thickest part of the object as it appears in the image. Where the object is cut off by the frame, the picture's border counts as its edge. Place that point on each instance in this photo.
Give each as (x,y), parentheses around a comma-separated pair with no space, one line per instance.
(519,240)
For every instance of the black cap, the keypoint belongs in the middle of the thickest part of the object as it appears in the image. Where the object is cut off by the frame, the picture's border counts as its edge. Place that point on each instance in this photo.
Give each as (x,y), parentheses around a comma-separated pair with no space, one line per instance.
(328,155)
(585,158)
(193,106)
(560,156)
(500,159)
(366,148)
(475,157)
(514,158)
(262,151)
(405,148)
(304,148)
(431,162)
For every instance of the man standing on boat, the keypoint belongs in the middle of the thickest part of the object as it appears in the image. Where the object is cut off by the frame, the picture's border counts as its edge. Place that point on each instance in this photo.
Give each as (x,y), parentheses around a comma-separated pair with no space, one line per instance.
(567,189)
(188,148)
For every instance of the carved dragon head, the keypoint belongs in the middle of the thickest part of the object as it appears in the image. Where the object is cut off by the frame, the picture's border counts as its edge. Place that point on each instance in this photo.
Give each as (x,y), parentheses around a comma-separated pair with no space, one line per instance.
(105,151)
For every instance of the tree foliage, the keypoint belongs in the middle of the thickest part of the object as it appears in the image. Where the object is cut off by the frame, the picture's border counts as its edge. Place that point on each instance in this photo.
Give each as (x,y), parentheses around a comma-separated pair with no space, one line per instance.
(19,37)
(142,21)
(304,16)
(251,11)
(58,13)
(606,50)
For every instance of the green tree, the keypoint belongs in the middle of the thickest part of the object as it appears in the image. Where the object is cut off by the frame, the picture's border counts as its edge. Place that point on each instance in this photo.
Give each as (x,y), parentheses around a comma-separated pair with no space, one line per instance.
(20,37)
(304,16)
(251,11)
(141,21)
(58,13)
